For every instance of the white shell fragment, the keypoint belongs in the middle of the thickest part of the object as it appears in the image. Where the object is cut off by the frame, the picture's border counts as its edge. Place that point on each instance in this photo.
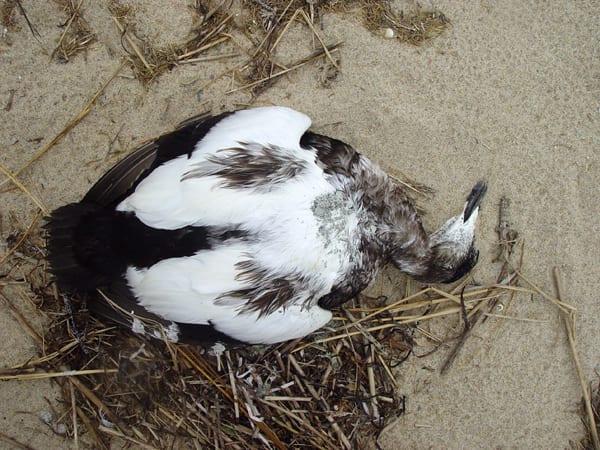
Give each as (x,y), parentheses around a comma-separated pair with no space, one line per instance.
(388,33)
(137,326)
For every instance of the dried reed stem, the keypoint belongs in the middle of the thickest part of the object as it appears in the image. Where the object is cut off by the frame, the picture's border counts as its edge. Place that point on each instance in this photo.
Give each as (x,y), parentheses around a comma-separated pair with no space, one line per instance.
(90,428)
(318,36)
(22,187)
(116,433)
(66,373)
(14,443)
(189,54)
(91,396)
(84,112)
(27,327)
(569,321)
(520,319)
(21,238)
(133,45)
(74,417)
(565,308)
(67,27)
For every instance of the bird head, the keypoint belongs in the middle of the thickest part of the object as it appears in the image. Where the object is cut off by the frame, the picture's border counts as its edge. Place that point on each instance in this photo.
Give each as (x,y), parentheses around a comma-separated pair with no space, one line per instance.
(451,251)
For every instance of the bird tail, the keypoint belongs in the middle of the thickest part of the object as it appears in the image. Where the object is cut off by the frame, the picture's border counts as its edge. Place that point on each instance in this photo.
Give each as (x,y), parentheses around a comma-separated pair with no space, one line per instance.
(76,242)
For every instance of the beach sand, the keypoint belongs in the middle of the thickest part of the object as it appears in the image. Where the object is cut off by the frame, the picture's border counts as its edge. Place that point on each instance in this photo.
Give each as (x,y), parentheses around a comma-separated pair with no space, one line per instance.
(509,93)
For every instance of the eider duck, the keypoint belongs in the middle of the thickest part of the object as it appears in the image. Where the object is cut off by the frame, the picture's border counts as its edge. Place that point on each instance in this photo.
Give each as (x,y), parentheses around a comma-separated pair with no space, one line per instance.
(245,227)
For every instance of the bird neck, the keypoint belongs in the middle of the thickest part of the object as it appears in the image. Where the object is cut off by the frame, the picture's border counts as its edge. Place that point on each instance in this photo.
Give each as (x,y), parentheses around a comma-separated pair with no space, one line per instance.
(397,224)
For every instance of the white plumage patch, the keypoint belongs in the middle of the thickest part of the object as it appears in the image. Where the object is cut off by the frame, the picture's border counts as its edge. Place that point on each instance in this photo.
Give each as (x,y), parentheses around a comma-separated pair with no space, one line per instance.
(246,222)
(300,226)
(163,200)
(457,232)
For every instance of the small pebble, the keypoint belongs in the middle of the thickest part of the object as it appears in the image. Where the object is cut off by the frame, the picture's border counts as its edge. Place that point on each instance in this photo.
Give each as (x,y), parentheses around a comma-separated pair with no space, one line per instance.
(46,417)
(60,428)
(388,33)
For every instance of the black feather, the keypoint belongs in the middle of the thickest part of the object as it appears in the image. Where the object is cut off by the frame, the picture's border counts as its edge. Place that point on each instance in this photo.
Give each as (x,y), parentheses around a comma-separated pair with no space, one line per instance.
(122,179)
(90,244)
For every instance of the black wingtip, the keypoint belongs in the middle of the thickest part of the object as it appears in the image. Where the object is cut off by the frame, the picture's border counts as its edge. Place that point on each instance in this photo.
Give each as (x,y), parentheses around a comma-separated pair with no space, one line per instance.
(474,199)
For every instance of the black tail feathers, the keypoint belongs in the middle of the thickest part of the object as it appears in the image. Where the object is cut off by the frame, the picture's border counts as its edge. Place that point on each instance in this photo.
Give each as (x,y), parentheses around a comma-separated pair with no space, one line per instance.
(80,253)
(90,246)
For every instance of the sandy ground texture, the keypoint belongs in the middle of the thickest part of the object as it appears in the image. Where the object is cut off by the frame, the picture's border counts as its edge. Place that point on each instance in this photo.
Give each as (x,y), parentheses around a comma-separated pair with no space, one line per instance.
(509,93)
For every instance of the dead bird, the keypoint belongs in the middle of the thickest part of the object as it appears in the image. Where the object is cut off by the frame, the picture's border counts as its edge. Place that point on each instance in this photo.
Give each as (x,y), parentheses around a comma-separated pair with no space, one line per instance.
(246,227)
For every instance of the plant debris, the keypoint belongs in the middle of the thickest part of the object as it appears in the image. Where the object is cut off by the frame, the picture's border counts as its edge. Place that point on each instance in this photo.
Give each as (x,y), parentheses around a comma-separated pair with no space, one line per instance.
(148,61)
(591,441)
(76,35)
(333,389)
(7,16)
(9,21)
(276,16)
(413,25)
(264,23)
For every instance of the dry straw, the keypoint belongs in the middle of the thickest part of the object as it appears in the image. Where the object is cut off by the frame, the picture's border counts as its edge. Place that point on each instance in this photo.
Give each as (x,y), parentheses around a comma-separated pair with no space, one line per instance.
(214,28)
(333,389)
(76,35)
(149,61)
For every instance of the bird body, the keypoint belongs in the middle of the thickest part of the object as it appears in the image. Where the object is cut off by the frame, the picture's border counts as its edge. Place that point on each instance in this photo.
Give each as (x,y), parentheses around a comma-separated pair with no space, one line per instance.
(246,227)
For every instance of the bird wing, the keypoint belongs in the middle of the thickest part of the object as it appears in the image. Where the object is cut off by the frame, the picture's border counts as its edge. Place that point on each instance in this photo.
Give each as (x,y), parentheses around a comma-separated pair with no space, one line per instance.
(202,290)
(244,170)
(122,178)
(249,162)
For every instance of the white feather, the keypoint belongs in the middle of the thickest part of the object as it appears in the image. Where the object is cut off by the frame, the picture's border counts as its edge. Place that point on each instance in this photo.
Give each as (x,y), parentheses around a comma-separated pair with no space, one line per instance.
(162,200)
(283,324)
(457,232)
(187,289)
(287,236)
(275,125)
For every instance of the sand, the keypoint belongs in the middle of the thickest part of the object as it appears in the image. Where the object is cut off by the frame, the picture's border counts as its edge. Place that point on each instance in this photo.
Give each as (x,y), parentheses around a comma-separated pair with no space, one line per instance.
(509,93)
